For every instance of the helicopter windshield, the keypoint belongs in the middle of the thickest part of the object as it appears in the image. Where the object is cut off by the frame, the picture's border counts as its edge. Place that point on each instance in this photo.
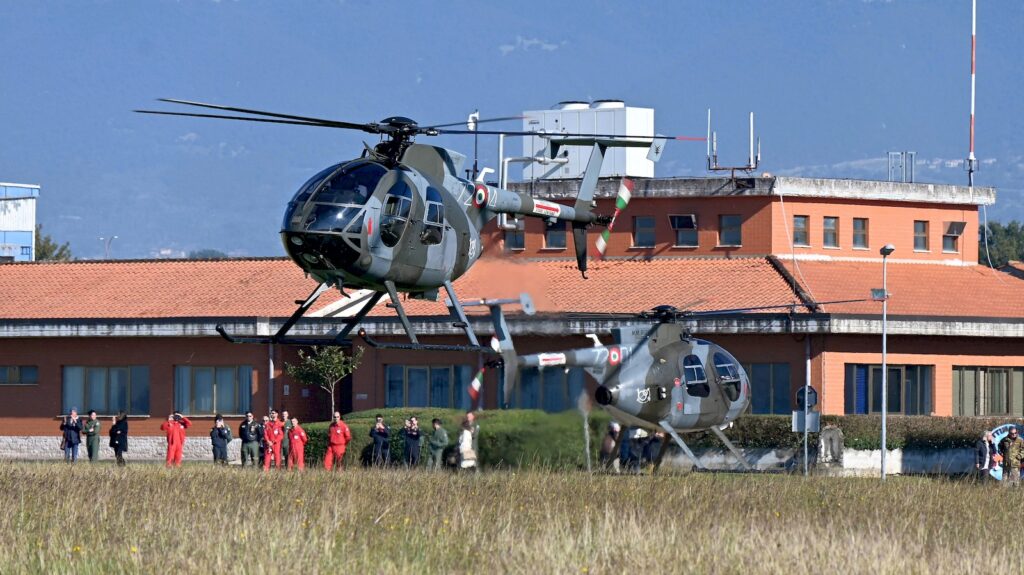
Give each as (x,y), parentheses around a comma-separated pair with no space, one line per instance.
(352,185)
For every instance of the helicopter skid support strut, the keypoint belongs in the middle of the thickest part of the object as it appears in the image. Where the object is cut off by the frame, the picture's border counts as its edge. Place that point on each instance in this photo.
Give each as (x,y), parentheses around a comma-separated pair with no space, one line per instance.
(682,444)
(369,300)
(736,452)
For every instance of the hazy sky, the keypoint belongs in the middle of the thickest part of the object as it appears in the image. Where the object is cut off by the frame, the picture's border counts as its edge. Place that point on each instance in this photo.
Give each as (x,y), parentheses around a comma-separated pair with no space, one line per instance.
(835,85)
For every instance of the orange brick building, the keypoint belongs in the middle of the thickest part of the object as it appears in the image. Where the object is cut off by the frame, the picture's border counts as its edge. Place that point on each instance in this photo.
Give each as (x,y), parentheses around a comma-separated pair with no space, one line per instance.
(140,335)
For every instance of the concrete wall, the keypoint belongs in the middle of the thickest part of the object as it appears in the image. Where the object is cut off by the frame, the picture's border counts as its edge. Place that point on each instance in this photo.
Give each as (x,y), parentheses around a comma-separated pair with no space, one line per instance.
(43,448)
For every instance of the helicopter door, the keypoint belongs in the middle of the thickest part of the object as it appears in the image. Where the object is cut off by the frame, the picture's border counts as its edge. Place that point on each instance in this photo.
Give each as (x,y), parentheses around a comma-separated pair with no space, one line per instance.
(395,215)
(696,379)
(433,222)
(728,375)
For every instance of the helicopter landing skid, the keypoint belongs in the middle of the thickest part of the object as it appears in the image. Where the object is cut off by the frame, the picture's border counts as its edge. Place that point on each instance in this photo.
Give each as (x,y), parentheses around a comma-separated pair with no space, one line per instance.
(682,444)
(369,300)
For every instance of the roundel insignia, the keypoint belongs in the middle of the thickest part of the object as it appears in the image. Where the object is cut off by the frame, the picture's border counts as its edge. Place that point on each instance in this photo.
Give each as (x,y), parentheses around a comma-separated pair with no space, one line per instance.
(480,196)
(614,356)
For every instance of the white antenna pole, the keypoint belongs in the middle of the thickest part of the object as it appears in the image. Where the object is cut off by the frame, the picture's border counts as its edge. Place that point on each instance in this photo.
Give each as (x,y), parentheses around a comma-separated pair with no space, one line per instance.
(750,158)
(708,139)
(970,156)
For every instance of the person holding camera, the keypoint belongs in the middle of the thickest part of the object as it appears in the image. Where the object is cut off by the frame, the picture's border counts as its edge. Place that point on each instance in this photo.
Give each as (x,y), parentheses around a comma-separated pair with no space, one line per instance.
(411,437)
(71,435)
(119,436)
(249,431)
(175,427)
(338,436)
(297,439)
(220,437)
(92,436)
(273,435)
(380,433)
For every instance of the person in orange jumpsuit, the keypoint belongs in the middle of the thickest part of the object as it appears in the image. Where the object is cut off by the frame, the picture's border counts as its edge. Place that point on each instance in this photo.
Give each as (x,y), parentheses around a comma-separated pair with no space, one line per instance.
(175,427)
(338,436)
(296,446)
(273,434)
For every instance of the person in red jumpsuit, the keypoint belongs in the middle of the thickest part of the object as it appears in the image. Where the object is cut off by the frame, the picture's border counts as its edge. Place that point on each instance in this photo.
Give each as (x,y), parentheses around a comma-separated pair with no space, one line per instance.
(338,436)
(175,427)
(273,434)
(296,446)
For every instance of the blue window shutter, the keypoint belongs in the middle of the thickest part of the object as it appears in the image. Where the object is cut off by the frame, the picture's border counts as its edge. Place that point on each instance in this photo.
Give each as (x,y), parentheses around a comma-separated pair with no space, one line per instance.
(861,381)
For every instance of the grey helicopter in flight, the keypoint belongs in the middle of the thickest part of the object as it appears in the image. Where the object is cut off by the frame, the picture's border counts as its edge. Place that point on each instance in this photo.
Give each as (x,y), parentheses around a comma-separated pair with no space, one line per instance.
(400,219)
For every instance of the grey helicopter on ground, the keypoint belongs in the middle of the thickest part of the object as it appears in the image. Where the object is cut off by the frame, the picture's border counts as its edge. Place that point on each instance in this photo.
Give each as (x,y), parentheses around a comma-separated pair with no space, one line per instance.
(400,219)
(655,374)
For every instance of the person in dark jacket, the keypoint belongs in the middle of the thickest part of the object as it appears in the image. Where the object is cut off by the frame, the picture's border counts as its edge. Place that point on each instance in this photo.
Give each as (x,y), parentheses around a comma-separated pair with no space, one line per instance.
(607,454)
(438,442)
(984,449)
(411,437)
(220,437)
(71,429)
(92,436)
(381,435)
(250,433)
(119,436)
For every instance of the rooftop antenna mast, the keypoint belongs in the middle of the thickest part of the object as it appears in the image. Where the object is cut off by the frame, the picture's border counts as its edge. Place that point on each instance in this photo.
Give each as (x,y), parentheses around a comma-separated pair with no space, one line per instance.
(753,160)
(972,162)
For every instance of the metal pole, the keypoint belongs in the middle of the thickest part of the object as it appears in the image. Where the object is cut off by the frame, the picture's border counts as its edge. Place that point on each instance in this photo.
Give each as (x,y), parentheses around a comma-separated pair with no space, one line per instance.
(807,390)
(885,366)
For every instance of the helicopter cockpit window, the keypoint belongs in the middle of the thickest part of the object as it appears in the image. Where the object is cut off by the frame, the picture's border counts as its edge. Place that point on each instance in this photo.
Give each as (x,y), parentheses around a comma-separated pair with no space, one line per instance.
(729,375)
(696,379)
(395,215)
(352,185)
(433,223)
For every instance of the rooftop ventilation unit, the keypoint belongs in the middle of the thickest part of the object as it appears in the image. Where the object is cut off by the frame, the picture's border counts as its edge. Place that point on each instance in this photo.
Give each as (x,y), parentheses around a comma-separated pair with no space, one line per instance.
(599,117)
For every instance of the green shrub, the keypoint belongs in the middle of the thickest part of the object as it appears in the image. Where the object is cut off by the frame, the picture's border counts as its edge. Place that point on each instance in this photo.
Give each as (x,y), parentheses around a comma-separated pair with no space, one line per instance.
(533,438)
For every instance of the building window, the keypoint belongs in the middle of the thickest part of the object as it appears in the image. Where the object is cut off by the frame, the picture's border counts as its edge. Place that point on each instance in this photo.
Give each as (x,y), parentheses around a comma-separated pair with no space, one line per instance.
(211,390)
(26,250)
(801,231)
(729,230)
(643,231)
(830,232)
(515,240)
(909,389)
(108,390)
(444,386)
(920,236)
(860,233)
(685,227)
(988,391)
(552,390)
(554,236)
(19,375)
(770,388)
(951,236)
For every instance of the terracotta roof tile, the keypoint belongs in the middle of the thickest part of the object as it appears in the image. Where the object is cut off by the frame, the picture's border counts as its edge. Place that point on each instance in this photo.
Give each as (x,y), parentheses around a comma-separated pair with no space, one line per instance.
(269,287)
(915,288)
(621,286)
(153,288)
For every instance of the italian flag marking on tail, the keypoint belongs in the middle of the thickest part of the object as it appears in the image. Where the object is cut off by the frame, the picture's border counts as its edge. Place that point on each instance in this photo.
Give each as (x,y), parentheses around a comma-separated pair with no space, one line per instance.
(621,201)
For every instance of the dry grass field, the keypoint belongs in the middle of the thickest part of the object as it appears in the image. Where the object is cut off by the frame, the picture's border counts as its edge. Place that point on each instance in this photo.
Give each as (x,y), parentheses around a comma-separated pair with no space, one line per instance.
(202,519)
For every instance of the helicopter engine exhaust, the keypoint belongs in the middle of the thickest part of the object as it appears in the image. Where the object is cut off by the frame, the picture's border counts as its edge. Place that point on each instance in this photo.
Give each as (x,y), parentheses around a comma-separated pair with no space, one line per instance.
(606,396)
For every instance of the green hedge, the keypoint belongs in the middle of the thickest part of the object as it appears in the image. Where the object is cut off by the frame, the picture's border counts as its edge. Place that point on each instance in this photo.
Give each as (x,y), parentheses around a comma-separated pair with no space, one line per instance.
(530,438)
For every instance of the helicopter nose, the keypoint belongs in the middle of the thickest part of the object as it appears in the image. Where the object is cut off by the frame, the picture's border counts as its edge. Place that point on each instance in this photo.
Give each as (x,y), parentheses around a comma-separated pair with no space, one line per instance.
(606,396)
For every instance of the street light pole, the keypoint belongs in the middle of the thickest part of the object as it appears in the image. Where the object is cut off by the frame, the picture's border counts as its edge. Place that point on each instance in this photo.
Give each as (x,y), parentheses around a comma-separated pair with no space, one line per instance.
(885,251)
(106,246)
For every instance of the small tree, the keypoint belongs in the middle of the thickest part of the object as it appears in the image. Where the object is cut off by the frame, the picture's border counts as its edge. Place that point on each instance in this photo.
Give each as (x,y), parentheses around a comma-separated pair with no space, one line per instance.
(49,250)
(325,367)
(207,254)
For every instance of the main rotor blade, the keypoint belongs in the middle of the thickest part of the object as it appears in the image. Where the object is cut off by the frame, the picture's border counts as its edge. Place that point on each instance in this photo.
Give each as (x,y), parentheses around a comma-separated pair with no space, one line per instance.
(220,117)
(464,122)
(333,123)
(555,135)
(686,314)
